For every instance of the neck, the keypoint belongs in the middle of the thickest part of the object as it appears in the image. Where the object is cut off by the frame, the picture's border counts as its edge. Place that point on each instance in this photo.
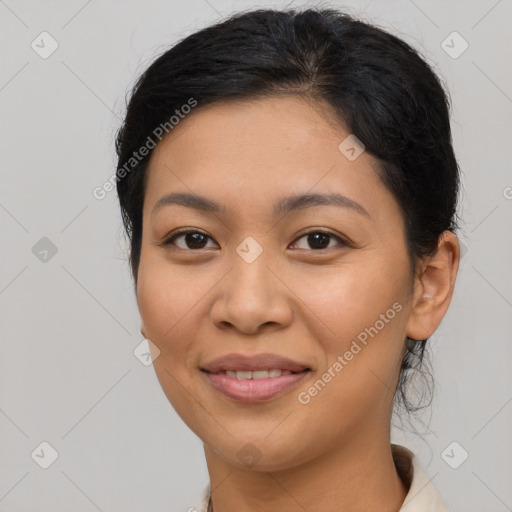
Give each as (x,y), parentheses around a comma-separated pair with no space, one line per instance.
(357,477)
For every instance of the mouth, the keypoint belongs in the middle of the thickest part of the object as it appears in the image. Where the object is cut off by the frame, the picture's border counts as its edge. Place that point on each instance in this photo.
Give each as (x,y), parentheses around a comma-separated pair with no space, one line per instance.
(253,363)
(247,388)
(256,374)
(254,378)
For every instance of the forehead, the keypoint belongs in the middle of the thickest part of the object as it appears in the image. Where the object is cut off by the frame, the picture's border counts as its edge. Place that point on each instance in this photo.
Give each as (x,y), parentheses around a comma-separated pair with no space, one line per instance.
(284,121)
(253,152)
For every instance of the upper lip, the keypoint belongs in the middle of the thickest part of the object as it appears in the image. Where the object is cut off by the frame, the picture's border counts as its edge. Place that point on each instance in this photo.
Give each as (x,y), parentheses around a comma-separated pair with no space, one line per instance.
(234,362)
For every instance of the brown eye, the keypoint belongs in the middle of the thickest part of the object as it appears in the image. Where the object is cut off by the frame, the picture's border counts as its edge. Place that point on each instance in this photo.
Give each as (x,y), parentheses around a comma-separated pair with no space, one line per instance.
(192,240)
(320,240)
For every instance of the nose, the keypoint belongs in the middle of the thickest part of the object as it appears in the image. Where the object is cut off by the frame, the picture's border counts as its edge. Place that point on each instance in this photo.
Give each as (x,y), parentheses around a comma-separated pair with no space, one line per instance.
(252,298)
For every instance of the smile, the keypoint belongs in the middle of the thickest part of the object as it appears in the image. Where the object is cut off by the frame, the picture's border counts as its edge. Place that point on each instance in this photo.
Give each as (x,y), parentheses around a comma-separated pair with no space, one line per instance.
(258,374)
(254,386)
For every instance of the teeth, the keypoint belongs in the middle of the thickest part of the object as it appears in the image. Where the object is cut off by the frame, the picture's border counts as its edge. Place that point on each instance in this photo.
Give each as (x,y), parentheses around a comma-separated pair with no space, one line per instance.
(257,374)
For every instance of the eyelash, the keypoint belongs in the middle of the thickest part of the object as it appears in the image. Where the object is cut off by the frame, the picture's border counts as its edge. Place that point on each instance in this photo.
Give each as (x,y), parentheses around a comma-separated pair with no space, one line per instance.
(170,240)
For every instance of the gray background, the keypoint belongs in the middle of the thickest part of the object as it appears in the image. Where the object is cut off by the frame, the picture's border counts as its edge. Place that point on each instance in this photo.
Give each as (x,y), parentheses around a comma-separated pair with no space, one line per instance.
(69,320)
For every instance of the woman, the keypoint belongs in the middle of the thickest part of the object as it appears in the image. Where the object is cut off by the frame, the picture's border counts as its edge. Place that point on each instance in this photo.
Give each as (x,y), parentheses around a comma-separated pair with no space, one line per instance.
(289,188)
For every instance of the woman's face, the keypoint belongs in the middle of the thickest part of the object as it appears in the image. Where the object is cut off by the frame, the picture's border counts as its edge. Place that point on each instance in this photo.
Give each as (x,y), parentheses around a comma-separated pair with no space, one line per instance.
(248,280)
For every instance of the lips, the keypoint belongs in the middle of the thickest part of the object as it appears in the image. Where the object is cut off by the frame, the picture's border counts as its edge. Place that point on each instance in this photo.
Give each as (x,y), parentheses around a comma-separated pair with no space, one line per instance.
(253,363)
(255,378)
(254,390)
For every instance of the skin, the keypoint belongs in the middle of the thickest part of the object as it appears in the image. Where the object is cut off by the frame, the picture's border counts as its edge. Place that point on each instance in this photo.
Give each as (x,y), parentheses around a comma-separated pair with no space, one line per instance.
(296,299)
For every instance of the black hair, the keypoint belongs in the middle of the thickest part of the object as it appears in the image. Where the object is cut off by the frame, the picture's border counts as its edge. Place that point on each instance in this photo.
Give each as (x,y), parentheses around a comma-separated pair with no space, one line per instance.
(375,84)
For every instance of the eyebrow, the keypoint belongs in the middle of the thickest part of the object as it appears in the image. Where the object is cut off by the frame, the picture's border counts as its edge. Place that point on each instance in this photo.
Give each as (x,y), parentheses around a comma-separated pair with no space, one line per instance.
(283,206)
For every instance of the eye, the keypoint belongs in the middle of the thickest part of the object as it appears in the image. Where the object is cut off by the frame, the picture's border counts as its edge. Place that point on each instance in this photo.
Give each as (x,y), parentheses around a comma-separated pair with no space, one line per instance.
(192,239)
(321,240)
(196,240)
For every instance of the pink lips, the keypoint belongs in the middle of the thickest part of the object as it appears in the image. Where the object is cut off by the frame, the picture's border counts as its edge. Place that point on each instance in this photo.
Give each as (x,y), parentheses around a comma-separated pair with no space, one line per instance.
(253,390)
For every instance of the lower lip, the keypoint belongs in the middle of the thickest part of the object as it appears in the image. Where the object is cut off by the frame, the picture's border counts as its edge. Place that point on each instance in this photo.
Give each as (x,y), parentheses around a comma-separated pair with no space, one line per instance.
(254,390)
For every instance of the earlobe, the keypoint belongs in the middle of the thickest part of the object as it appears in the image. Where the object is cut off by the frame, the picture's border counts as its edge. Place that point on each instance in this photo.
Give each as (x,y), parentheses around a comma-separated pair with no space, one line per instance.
(433,288)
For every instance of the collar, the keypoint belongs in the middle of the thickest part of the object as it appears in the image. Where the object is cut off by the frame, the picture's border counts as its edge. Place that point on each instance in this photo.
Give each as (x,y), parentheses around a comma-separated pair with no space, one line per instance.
(422,495)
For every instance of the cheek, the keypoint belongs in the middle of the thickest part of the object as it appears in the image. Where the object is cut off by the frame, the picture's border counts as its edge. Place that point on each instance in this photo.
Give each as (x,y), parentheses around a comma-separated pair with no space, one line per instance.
(365,312)
(348,298)
(167,298)
(167,304)
(366,307)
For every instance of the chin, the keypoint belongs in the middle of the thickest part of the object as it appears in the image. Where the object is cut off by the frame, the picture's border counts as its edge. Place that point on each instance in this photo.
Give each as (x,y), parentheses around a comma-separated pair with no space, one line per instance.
(253,453)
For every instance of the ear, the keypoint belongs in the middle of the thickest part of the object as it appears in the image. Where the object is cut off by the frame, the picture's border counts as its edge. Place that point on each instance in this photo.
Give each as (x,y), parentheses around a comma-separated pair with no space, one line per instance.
(433,288)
